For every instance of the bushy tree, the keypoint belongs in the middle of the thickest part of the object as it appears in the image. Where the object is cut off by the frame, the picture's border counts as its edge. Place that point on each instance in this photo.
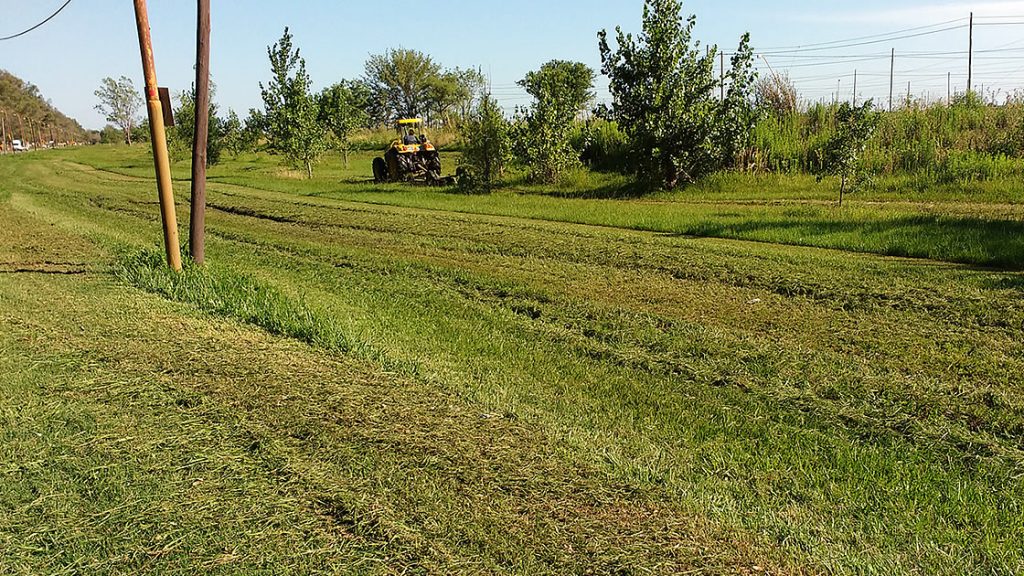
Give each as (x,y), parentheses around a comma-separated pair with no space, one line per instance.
(408,84)
(234,135)
(343,109)
(401,81)
(666,96)
(471,84)
(111,135)
(841,156)
(561,90)
(120,103)
(291,114)
(140,132)
(182,136)
(486,144)
(451,95)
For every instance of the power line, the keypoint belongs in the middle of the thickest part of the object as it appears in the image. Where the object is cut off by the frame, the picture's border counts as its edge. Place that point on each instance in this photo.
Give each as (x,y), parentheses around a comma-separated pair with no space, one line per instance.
(858,38)
(866,43)
(52,16)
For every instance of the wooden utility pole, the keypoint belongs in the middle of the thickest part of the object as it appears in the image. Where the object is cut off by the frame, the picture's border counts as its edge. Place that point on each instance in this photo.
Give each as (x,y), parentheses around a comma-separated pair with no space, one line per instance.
(158,136)
(721,73)
(855,88)
(197,222)
(3,132)
(970,55)
(892,76)
(949,82)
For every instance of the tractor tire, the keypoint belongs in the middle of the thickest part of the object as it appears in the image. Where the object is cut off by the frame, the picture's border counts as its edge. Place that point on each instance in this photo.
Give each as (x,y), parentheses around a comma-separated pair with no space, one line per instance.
(380,170)
(394,167)
(433,162)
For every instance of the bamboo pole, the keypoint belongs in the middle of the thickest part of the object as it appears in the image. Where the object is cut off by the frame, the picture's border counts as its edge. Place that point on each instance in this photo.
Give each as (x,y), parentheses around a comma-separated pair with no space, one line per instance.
(158,137)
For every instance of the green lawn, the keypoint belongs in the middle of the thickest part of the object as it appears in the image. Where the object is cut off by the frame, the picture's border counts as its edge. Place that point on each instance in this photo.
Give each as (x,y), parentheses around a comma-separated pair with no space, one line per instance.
(981,223)
(406,380)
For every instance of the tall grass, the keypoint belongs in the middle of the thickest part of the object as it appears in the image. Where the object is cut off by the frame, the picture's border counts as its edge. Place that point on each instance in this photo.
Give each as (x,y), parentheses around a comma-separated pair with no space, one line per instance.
(966,141)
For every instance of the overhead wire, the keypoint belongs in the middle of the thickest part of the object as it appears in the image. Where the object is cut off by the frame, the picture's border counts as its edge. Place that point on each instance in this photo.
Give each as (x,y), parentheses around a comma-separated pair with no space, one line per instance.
(856,44)
(37,26)
(872,36)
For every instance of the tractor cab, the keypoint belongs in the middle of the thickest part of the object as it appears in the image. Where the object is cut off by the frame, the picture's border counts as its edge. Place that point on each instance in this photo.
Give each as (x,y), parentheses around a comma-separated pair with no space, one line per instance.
(411,138)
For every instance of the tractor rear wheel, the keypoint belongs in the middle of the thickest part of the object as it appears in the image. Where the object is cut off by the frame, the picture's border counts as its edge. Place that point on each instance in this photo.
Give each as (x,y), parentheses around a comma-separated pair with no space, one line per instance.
(380,170)
(433,161)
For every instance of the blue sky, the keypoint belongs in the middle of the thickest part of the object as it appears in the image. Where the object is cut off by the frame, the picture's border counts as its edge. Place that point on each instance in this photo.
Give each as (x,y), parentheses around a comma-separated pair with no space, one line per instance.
(92,39)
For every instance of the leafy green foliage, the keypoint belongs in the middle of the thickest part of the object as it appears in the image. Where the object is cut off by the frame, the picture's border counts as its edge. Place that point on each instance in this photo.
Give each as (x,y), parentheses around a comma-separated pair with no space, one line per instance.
(343,109)
(111,135)
(666,95)
(182,136)
(291,117)
(120,103)
(486,144)
(409,84)
(401,81)
(604,145)
(842,154)
(236,138)
(561,90)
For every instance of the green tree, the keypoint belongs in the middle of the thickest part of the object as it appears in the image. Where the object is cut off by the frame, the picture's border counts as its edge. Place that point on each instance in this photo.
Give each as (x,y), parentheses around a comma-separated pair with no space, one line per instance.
(842,153)
(111,135)
(234,135)
(402,82)
(561,90)
(120,103)
(486,144)
(291,113)
(452,93)
(344,108)
(471,83)
(666,96)
(183,133)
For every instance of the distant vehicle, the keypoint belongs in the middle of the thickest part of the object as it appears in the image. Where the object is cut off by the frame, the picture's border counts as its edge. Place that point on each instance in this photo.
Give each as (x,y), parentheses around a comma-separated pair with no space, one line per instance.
(410,157)
(17,146)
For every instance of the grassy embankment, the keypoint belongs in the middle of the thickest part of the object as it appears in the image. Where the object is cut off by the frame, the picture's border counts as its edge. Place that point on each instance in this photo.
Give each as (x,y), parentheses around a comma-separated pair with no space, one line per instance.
(484,385)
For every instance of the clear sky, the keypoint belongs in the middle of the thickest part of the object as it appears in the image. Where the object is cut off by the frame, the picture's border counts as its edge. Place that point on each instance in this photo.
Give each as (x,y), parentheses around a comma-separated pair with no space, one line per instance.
(92,39)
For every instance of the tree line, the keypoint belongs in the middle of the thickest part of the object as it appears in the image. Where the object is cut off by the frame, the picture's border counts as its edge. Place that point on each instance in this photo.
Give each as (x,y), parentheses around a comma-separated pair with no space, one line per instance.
(672,120)
(300,124)
(29,116)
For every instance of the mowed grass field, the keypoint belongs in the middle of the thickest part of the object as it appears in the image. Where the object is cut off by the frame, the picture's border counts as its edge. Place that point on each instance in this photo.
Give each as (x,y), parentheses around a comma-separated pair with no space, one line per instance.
(735,379)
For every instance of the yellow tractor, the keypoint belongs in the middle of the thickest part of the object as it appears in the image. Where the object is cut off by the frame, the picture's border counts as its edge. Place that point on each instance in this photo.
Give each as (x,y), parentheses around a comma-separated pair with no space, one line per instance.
(409,158)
